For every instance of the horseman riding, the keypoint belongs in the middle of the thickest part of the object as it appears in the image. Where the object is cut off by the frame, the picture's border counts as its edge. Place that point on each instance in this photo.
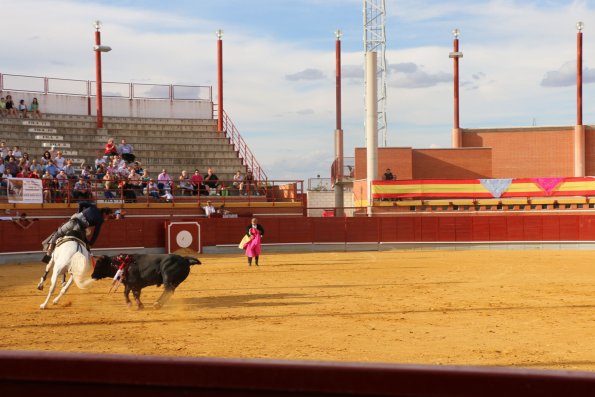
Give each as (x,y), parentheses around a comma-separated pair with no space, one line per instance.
(87,216)
(68,250)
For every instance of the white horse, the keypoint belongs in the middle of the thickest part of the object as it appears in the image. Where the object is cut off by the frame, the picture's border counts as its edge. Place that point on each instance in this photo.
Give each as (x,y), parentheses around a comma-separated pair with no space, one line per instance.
(69,256)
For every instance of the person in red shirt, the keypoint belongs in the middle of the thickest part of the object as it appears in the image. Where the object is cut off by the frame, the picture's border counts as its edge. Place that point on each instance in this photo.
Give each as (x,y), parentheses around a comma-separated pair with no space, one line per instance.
(197,183)
(110,148)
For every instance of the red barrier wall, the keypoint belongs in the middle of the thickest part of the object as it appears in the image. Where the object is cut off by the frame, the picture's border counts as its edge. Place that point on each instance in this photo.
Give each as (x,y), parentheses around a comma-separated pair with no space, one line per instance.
(150,232)
(67,374)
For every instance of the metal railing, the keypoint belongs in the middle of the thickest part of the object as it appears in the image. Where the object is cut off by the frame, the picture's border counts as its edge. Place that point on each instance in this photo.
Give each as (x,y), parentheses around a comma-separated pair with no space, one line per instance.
(346,173)
(122,191)
(240,145)
(320,184)
(58,86)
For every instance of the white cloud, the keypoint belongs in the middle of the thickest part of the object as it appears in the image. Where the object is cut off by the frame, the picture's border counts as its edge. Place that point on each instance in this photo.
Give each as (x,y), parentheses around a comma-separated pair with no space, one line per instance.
(306,74)
(565,76)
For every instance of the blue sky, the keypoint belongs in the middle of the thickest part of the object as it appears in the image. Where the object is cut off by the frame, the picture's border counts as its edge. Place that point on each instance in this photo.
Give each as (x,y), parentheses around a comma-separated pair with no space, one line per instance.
(518,66)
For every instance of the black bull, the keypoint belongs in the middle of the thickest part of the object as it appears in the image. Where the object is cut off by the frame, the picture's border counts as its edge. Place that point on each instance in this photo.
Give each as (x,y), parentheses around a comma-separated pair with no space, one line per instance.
(147,269)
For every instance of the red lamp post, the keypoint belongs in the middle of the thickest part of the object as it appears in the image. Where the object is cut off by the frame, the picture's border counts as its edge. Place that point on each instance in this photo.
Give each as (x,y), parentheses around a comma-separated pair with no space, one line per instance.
(579,128)
(455,55)
(579,73)
(220,80)
(98,48)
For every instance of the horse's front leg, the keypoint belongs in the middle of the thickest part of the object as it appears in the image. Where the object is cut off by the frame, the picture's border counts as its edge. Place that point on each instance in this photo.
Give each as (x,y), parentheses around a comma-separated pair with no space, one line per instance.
(48,267)
(64,288)
(51,291)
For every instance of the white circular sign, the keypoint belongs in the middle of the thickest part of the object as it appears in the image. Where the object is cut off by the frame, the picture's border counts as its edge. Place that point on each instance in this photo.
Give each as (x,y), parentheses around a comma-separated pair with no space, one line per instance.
(184,239)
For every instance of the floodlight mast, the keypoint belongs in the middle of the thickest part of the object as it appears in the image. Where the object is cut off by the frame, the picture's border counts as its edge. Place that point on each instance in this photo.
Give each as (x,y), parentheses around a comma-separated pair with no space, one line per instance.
(375,41)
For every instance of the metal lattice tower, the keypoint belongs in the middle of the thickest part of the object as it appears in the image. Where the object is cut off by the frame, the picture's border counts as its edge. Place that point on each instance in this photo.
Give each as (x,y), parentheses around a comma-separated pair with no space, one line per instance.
(375,41)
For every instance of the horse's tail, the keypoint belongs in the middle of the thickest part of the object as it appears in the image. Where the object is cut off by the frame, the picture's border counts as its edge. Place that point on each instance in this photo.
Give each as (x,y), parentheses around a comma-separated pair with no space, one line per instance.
(192,261)
(80,267)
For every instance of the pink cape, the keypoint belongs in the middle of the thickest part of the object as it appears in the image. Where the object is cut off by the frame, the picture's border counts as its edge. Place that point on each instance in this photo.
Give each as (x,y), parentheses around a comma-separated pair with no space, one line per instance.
(253,247)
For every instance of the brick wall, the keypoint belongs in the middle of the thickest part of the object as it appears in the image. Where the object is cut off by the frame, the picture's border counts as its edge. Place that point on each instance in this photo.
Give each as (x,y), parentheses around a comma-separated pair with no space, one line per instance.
(527,152)
(408,163)
(471,163)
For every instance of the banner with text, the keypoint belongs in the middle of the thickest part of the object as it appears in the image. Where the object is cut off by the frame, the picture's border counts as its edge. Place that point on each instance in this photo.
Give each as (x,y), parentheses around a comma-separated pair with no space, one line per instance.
(25,190)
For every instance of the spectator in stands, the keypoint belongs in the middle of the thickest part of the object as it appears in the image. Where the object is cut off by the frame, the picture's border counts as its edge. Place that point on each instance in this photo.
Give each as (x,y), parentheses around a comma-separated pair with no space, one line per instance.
(4,149)
(99,159)
(23,173)
(22,109)
(137,168)
(112,166)
(388,175)
(86,171)
(125,150)
(5,176)
(238,181)
(16,152)
(211,182)
(10,106)
(25,161)
(145,178)
(8,155)
(59,160)
(34,174)
(197,185)
(152,189)
(12,166)
(48,184)
(53,152)
(3,111)
(209,209)
(45,159)
(167,196)
(1,166)
(249,182)
(123,170)
(62,179)
(69,169)
(100,172)
(135,181)
(82,189)
(35,108)
(163,181)
(110,181)
(185,183)
(110,148)
(51,167)
(35,166)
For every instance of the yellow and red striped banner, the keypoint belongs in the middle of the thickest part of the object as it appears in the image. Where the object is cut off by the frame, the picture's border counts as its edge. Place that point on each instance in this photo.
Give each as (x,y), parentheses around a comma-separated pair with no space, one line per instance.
(473,188)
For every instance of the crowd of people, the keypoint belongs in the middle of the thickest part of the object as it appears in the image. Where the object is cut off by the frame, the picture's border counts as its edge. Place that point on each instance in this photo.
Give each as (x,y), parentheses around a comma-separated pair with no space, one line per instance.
(115,173)
(8,108)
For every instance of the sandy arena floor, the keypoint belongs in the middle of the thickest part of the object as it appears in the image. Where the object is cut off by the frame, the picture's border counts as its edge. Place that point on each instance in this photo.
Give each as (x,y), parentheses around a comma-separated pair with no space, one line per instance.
(504,308)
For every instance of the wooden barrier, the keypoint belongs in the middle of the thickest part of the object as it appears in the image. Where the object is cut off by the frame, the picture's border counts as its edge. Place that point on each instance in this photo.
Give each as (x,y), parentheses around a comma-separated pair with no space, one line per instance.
(67,374)
(149,231)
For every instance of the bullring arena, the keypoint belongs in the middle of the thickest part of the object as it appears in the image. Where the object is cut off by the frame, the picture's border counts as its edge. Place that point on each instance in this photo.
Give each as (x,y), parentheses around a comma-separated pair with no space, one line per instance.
(529,309)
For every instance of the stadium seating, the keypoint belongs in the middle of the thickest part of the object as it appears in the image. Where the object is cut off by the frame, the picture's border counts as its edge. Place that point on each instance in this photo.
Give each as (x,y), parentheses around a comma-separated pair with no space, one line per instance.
(174,144)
